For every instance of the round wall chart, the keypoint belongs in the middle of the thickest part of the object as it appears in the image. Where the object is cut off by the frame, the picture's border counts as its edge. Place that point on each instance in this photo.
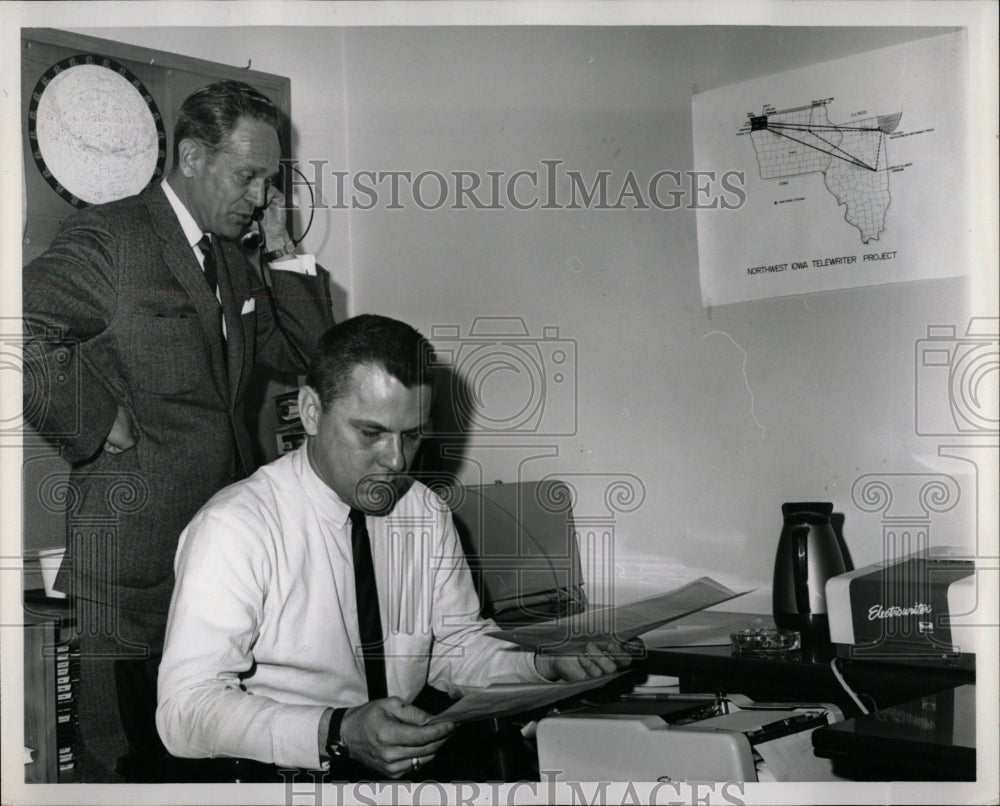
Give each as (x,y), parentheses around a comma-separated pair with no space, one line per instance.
(95,132)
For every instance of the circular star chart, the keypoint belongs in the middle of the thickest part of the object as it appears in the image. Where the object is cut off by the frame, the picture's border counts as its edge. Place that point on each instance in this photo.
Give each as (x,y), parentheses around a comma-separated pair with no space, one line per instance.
(95,132)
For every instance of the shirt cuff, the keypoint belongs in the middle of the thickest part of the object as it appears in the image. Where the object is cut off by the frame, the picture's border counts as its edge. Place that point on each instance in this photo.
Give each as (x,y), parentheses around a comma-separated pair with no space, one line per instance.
(298,264)
(532,670)
(294,736)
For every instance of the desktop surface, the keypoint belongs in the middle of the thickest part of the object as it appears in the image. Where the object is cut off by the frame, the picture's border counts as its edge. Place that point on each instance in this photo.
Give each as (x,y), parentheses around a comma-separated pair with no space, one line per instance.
(806,675)
(932,738)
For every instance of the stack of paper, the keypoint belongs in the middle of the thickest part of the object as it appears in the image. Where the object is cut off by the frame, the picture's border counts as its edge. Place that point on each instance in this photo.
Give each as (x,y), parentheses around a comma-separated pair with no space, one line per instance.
(512,698)
(600,624)
(570,635)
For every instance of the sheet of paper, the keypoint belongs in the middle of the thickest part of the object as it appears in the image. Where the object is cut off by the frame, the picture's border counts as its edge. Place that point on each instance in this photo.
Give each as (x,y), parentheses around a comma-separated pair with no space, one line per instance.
(573,633)
(704,628)
(513,698)
(791,758)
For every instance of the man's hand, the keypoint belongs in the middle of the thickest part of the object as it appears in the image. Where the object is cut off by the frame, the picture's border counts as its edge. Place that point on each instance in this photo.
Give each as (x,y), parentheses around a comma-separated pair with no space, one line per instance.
(275,234)
(389,736)
(123,434)
(595,661)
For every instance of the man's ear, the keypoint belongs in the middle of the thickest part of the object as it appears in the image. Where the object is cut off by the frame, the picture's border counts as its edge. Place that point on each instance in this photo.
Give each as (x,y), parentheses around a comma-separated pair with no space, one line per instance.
(192,156)
(310,409)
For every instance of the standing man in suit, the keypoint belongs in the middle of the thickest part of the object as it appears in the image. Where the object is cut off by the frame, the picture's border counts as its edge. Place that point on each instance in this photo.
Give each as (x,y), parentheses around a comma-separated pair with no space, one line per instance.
(157,317)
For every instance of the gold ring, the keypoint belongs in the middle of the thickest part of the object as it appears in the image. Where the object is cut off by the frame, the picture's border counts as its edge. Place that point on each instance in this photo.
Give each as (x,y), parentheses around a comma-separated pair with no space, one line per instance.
(415,764)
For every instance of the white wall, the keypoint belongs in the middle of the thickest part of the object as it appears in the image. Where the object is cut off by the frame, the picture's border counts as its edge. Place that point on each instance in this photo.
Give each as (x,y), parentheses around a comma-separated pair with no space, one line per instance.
(717,415)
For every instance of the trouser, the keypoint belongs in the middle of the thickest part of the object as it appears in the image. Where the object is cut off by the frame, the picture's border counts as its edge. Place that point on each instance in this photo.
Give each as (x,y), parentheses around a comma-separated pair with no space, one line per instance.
(107,633)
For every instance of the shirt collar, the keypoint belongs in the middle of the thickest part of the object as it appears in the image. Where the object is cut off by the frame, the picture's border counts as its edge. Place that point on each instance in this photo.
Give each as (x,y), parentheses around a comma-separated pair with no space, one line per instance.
(191,229)
(326,501)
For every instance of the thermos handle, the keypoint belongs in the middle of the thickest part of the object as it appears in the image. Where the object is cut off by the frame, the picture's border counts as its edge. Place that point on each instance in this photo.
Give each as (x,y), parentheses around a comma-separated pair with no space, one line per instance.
(800,567)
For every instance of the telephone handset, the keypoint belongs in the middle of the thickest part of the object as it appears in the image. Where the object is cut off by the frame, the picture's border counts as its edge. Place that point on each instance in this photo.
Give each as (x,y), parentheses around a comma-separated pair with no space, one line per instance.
(254,237)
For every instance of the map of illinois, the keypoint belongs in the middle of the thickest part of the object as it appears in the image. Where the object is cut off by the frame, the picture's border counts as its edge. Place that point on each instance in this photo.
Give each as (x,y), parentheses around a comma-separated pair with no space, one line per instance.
(852,157)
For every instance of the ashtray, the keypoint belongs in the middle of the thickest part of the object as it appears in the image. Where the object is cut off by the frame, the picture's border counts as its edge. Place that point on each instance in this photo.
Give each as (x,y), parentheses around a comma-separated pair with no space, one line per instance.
(765,641)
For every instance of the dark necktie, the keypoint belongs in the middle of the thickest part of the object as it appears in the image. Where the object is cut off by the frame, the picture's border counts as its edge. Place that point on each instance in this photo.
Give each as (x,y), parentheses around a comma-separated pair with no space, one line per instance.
(208,262)
(369,617)
(212,278)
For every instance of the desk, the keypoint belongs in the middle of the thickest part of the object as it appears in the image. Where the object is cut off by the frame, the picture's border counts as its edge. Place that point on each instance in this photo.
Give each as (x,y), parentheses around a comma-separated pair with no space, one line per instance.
(922,725)
(932,738)
(801,677)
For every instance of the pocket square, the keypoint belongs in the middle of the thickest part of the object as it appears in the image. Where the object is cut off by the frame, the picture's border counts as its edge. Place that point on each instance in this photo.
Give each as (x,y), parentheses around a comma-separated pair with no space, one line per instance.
(249,306)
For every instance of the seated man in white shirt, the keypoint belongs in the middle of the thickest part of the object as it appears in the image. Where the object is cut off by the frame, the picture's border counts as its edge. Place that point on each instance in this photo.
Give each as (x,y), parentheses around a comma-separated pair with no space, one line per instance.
(264,656)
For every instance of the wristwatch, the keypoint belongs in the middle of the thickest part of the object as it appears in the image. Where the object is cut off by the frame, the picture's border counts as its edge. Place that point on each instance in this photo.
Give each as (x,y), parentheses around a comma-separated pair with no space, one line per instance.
(335,746)
(277,254)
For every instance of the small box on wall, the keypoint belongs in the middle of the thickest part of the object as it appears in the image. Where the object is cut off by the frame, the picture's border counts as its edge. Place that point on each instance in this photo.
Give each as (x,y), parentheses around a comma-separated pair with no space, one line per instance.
(287,407)
(289,439)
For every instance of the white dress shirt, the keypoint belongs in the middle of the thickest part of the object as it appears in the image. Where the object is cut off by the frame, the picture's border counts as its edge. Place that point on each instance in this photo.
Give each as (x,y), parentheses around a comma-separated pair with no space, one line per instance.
(262,634)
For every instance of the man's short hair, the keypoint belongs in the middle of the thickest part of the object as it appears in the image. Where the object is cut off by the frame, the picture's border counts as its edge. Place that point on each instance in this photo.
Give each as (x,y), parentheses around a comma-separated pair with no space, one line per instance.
(369,340)
(211,113)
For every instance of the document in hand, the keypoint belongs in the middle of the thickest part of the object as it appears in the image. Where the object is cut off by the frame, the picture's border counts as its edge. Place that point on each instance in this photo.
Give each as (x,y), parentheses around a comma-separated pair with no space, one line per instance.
(600,624)
(505,699)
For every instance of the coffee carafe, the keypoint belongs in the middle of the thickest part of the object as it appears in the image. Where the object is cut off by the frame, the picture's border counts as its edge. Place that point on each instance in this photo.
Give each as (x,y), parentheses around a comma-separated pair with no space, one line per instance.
(810,551)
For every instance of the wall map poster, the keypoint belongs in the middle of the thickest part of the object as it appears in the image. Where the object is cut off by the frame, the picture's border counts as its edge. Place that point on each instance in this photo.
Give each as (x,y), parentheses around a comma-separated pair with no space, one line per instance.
(855,172)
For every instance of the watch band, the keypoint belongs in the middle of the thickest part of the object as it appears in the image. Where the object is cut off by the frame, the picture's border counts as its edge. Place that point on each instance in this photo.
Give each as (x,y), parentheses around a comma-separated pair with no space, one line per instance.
(335,746)
(277,254)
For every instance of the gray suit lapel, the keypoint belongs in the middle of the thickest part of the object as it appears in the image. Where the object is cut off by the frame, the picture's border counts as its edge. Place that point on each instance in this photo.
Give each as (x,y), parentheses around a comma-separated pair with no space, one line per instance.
(180,259)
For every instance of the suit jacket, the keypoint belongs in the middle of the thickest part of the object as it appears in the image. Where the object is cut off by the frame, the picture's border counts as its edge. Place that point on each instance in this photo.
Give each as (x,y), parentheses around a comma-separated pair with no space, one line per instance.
(117,312)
